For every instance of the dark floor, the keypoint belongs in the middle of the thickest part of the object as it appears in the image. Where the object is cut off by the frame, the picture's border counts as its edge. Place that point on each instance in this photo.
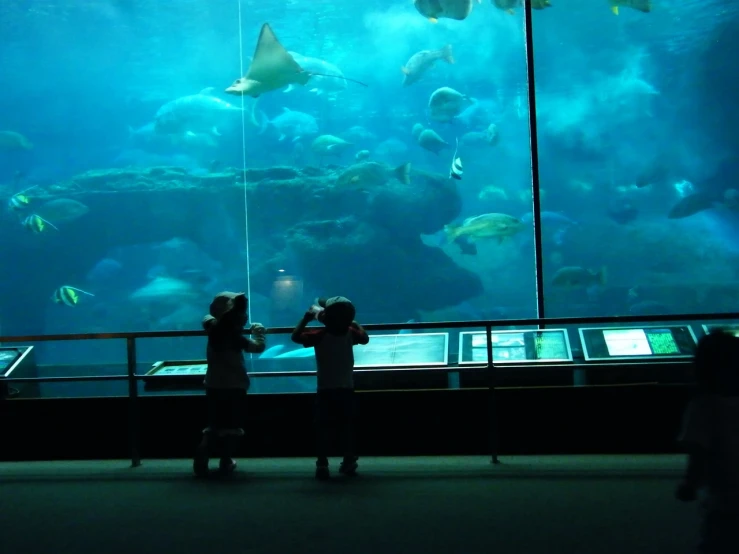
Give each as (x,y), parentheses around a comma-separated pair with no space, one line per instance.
(526,505)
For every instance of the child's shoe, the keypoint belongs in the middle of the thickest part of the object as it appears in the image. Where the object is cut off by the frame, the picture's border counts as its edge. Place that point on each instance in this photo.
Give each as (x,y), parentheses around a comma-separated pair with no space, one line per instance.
(226,466)
(322,473)
(349,468)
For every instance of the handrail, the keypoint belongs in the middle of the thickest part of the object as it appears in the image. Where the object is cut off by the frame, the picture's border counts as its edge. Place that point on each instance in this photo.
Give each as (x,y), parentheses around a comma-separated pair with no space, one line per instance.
(133,378)
(395,326)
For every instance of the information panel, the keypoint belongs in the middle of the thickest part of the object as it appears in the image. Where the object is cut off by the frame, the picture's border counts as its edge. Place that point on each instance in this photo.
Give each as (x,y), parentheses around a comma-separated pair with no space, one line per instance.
(406,350)
(515,347)
(620,343)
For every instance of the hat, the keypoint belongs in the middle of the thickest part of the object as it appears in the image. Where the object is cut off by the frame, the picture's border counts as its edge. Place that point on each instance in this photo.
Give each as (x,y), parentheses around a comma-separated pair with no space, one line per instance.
(226,301)
(338,310)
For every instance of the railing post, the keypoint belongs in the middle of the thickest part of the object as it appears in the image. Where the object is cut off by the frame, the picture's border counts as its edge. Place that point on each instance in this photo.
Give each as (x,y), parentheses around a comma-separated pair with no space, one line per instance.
(133,402)
(492,408)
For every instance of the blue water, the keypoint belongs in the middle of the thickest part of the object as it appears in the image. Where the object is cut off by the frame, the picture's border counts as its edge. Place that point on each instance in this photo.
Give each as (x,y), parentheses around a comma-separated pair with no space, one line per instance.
(627,100)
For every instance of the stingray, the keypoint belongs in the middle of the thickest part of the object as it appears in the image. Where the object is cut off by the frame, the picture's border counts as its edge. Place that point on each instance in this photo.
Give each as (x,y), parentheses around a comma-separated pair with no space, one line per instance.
(272,67)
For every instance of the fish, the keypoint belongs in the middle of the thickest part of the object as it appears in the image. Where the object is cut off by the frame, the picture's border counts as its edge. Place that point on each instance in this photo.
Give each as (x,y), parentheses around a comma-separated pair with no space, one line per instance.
(297,353)
(194,140)
(434,10)
(196,113)
(417,130)
(488,137)
(445,104)
(422,61)
(69,296)
(644,6)
(431,141)
(329,144)
(455,171)
(20,201)
(576,277)
(272,68)
(11,140)
(63,210)
(491,192)
(326,78)
(492,225)
(362,155)
(164,289)
(272,352)
(291,124)
(509,5)
(37,224)
(368,175)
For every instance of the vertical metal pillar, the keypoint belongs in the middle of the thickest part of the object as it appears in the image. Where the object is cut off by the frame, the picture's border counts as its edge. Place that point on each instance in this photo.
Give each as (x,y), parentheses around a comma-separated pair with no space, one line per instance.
(492,407)
(535,196)
(133,402)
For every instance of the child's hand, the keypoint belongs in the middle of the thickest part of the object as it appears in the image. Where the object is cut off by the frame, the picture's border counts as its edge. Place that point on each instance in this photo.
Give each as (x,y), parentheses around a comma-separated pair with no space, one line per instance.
(685,492)
(257,329)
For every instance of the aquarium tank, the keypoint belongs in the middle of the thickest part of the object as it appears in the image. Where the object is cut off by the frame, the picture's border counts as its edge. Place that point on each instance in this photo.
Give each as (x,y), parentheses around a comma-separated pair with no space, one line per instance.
(156,152)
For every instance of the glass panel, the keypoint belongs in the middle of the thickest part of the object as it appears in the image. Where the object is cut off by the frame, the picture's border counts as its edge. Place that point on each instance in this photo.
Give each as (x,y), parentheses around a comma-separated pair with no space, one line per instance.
(126,164)
(637,145)
(89,358)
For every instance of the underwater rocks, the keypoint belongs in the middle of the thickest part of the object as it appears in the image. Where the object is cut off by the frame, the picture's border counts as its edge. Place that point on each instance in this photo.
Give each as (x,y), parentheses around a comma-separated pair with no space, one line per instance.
(423,207)
(370,266)
(365,244)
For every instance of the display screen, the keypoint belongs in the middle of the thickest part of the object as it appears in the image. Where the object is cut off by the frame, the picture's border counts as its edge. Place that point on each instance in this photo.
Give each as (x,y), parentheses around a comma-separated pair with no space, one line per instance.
(638,342)
(413,349)
(627,342)
(515,346)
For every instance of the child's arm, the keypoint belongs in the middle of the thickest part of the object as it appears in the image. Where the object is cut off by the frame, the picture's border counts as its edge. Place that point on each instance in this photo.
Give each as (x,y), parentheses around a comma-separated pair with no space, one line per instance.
(297,335)
(257,343)
(359,334)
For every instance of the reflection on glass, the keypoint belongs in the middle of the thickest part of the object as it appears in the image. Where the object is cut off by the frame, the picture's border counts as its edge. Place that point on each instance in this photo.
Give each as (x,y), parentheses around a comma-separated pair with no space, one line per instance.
(636,137)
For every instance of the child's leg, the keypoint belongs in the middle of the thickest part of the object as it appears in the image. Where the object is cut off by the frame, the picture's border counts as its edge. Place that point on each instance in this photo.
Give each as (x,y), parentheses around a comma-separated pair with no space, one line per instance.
(323,432)
(209,441)
(231,431)
(347,417)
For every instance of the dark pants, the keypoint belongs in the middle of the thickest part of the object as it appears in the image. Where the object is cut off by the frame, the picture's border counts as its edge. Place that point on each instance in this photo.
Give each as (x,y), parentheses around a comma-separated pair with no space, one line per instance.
(226,408)
(335,411)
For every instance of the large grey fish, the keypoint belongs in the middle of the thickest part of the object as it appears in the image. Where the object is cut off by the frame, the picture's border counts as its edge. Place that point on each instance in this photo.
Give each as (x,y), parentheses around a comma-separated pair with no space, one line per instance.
(422,61)
(434,10)
(196,113)
(446,103)
(291,124)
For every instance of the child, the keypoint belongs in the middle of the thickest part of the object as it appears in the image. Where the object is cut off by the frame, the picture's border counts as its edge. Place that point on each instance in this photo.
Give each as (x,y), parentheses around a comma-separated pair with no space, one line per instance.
(226,381)
(710,434)
(335,364)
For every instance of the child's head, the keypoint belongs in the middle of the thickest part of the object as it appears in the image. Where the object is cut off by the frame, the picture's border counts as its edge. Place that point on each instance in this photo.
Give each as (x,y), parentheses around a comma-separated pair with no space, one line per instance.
(716,360)
(230,309)
(338,313)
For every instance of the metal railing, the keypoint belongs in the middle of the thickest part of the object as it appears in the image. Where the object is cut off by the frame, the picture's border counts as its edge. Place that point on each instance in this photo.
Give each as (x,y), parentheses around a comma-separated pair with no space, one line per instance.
(131,362)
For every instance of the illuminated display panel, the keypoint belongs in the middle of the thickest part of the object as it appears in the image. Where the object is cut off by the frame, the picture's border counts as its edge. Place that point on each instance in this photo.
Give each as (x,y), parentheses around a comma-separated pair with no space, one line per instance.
(603,344)
(515,347)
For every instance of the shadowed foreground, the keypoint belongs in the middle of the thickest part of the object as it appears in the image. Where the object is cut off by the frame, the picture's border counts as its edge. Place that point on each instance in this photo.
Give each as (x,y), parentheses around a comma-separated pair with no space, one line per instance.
(526,505)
